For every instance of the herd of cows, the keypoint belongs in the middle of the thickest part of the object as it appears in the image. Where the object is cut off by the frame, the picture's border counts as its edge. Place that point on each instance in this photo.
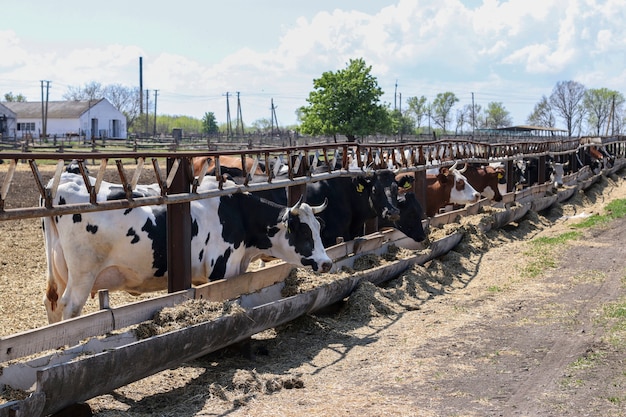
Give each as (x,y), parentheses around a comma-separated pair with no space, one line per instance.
(127,250)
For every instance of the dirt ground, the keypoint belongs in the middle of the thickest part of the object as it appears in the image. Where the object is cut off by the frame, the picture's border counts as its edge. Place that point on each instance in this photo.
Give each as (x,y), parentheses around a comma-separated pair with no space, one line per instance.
(500,326)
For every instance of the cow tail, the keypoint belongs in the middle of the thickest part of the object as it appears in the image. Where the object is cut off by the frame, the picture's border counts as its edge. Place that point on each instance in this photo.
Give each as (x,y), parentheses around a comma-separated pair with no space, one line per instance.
(51,235)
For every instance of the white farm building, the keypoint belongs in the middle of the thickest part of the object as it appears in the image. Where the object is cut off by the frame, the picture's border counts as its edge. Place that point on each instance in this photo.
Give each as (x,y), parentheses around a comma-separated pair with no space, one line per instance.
(88,118)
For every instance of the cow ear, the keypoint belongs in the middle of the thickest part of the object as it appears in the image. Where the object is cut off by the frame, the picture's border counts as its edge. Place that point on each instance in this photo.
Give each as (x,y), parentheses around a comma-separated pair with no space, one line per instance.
(406,181)
(360,184)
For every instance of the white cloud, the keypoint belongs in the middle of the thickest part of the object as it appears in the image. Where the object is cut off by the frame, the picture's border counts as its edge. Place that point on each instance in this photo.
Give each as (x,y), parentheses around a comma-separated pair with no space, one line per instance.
(505,51)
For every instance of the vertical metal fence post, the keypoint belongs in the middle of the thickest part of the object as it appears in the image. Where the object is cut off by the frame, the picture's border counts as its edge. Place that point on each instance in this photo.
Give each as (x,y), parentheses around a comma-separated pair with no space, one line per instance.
(179,231)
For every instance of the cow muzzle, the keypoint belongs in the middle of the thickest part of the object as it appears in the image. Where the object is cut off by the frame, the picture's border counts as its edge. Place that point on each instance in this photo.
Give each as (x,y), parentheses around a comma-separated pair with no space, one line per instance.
(392,215)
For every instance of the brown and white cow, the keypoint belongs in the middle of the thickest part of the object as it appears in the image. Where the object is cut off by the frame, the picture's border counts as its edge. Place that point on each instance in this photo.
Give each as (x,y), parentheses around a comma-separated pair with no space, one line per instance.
(448,186)
(232,165)
(485,179)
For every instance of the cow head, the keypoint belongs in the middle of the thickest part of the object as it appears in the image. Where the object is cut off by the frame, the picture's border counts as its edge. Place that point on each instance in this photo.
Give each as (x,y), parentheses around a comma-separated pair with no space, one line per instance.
(519,173)
(300,242)
(385,195)
(411,214)
(558,171)
(461,191)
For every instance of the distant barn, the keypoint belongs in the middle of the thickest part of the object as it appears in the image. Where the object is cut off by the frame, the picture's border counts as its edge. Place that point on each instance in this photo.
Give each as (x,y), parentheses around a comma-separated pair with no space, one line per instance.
(88,118)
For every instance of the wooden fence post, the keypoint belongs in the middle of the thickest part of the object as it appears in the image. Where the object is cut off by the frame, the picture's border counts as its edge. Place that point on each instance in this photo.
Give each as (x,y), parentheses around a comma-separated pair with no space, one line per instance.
(179,230)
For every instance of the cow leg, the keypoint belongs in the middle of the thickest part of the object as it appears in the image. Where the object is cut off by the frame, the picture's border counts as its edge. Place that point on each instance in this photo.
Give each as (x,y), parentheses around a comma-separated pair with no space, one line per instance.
(76,294)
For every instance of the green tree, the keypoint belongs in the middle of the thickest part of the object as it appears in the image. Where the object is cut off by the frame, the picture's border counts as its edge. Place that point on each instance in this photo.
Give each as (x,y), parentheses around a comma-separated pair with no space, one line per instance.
(346,102)
(601,105)
(566,101)
(496,116)
(542,114)
(209,124)
(418,107)
(442,107)
(401,123)
(190,125)
(10,97)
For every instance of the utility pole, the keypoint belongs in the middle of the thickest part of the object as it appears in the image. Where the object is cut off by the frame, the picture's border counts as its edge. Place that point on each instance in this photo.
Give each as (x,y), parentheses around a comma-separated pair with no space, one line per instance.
(273,118)
(229,126)
(395,92)
(147,111)
(401,124)
(44,110)
(239,116)
(155,107)
(473,116)
(141,86)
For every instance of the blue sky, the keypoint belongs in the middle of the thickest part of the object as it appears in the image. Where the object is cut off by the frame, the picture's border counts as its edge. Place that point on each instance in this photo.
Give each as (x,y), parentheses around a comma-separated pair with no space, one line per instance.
(194,52)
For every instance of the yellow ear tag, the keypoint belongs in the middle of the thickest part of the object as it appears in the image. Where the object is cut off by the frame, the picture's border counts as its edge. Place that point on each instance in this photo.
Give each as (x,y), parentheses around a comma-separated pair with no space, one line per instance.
(406,185)
(500,175)
(360,188)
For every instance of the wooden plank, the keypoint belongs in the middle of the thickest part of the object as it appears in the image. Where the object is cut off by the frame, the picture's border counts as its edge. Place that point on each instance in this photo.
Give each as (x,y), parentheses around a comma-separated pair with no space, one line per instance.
(130,314)
(29,407)
(72,331)
(226,289)
(53,336)
(367,243)
(23,374)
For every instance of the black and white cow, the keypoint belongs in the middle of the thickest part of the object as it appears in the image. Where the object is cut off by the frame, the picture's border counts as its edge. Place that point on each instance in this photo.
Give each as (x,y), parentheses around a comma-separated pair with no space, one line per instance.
(410,221)
(352,201)
(126,249)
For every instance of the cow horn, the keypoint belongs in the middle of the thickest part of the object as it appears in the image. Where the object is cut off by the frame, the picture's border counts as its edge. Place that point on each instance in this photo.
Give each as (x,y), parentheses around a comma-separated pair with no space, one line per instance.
(296,209)
(464,168)
(454,166)
(319,209)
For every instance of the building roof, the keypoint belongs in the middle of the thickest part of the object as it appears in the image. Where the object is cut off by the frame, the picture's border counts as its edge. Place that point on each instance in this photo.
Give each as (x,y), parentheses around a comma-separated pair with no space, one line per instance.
(5,111)
(528,128)
(68,109)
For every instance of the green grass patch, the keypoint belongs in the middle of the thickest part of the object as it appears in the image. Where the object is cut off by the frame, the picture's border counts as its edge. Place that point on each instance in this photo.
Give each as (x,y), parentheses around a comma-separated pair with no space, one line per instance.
(541,252)
(542,243)
(614,210)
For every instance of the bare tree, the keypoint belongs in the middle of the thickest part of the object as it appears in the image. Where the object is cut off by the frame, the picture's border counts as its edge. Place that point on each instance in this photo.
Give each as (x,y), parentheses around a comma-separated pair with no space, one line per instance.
(125,99)
(90,91)
(542,114)
(566,100)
